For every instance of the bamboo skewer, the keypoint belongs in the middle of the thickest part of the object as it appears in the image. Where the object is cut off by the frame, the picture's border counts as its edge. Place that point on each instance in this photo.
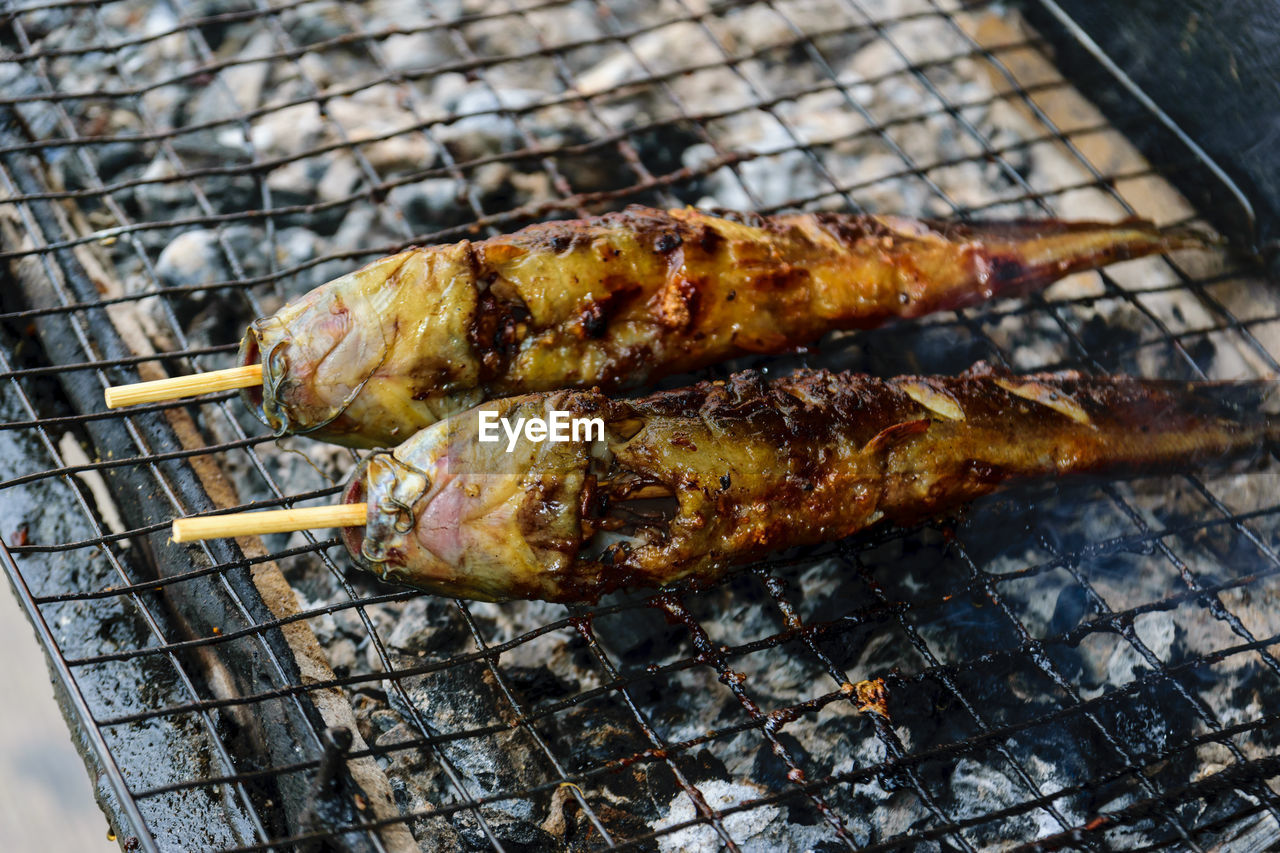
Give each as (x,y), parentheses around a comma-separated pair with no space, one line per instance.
(305,518)
(178,387)
(270,521)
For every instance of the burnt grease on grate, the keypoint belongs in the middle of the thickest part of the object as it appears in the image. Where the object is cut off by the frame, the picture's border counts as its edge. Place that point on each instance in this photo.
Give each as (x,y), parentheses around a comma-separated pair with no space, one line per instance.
(1086,667)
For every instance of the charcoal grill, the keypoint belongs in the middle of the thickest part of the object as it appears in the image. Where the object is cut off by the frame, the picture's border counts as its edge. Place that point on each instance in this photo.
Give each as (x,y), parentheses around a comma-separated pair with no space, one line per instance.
(1086,667)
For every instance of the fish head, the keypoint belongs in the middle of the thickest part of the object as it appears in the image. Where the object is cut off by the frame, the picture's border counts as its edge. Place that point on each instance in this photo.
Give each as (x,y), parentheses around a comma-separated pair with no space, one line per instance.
(465,517)
(318,351)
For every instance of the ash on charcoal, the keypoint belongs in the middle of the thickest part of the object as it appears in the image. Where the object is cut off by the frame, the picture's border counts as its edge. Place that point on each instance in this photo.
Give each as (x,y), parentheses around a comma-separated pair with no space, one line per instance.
(756,830)
(429,626)
(975,789)
(464,698)
(764,181)
(288,130)
(770,771)
(639,635)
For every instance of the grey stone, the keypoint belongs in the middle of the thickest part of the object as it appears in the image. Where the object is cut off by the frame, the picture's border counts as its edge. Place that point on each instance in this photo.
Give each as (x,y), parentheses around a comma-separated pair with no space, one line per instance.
(368,227)
(296,245)
(238,88)
(340,180)
(342,656)
(198,257)
(431,205)
(406,51)
(480,128)
(288,130)
(172,199)
(114,157)
(191,258)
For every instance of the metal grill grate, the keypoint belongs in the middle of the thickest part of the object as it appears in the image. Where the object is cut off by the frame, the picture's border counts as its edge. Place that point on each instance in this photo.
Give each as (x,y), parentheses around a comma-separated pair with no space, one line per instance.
(1090,668)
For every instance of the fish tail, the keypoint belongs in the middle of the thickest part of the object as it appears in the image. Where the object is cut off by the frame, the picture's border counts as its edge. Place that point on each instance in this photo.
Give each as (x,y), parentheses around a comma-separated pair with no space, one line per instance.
(1006,429)
(947,265)
(1249,411)
(1160,425)
(1020,257)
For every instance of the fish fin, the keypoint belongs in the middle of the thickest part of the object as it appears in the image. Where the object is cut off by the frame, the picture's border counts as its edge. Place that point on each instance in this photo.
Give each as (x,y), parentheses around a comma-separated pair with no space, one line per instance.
(1049,396)
(934,397)
(886,438)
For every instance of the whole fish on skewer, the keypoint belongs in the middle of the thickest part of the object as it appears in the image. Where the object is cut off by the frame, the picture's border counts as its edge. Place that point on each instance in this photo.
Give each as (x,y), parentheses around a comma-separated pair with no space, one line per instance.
(689,483)
(621,300)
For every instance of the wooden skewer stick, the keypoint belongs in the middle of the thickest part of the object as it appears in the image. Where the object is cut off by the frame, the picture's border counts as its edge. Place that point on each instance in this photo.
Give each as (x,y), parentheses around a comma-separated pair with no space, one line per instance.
(303,518)
(177,387)
(269,521)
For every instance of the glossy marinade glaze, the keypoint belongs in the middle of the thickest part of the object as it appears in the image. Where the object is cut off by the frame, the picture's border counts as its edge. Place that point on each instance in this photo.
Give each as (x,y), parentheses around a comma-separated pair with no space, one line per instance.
(620,300)
(690,483)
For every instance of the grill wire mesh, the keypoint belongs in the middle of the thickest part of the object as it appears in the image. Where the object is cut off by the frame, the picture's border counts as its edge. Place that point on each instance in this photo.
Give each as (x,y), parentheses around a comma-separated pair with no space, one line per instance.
(1090,666)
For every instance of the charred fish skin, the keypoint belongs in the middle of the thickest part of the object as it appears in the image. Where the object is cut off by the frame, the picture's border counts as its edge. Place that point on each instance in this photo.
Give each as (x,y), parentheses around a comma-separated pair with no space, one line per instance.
(744,467)
(620,300)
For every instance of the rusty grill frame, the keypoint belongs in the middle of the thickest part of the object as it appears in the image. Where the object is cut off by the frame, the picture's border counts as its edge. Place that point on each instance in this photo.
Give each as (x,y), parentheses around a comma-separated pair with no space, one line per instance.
(91,356)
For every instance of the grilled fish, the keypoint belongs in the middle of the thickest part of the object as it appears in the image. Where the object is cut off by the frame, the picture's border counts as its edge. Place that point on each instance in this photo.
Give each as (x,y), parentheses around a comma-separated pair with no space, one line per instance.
(621,300)
(688,483)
